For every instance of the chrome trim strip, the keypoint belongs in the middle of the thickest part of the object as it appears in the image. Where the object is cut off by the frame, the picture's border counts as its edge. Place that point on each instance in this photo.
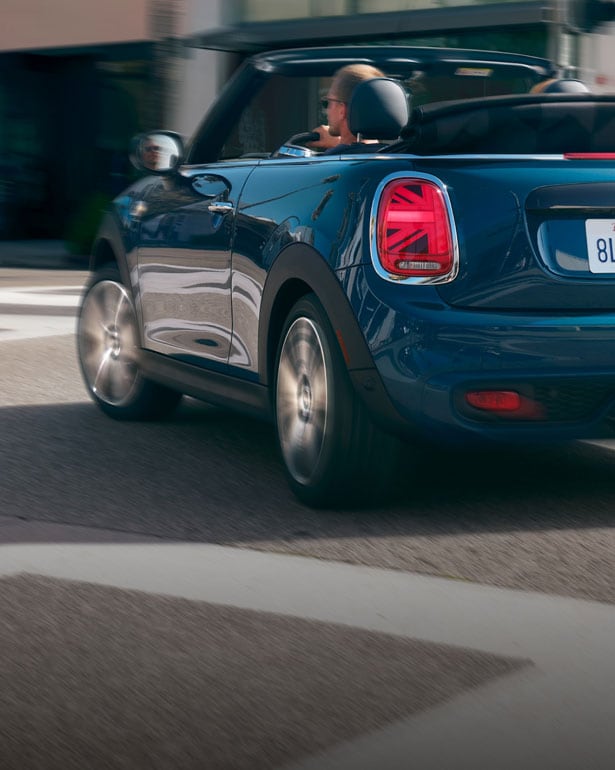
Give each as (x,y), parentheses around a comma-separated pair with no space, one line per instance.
(190,170)
(480,156)
(373,218)
(382,155)
(580,208)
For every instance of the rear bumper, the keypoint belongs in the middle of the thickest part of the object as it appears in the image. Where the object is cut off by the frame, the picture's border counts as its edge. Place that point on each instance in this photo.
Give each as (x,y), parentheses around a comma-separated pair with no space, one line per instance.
(565,407)
(429,355)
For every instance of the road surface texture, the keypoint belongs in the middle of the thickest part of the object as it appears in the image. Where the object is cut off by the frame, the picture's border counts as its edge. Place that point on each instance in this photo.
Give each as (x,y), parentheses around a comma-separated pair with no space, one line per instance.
(166,602)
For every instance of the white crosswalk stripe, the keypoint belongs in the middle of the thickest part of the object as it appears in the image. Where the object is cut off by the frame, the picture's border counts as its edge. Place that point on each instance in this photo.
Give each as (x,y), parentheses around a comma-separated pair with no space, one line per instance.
(41,296)
(23,327)
(556,712)
(37,311)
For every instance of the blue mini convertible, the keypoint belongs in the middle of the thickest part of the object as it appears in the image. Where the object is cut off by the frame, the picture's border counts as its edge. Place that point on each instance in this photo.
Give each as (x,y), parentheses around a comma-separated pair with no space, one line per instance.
(451,280)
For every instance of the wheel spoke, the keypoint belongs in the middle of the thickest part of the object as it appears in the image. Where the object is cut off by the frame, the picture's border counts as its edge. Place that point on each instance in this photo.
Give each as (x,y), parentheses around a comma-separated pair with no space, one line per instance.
(119,379)
(287,383)
(311,353)
(92,352)
(309,445)
(102,377)
(120,309)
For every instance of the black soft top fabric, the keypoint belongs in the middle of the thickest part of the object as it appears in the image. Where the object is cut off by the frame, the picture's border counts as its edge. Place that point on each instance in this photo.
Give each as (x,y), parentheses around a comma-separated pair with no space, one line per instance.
(555,123)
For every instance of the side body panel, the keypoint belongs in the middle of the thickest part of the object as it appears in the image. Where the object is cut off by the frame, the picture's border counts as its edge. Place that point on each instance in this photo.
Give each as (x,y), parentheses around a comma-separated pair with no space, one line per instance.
(320,204)
(184,259)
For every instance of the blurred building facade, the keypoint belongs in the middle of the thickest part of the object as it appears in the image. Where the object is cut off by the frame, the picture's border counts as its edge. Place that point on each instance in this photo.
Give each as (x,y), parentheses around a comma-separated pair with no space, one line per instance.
(79,78)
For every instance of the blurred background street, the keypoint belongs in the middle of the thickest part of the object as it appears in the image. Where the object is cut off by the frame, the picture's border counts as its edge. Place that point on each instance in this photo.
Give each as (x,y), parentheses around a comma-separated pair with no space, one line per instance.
(77,82)
(40,254)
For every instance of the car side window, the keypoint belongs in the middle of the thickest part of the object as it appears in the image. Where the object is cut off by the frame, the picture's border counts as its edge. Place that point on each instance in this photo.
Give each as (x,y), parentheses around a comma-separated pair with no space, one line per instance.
(282,107)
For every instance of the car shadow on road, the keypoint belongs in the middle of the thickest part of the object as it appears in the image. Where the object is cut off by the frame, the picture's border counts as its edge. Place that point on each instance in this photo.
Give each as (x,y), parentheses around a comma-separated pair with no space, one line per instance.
(211,474)
(530,517)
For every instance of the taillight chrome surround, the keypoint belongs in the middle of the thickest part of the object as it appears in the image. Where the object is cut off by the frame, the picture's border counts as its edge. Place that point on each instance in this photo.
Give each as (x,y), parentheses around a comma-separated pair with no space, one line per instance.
(373,231)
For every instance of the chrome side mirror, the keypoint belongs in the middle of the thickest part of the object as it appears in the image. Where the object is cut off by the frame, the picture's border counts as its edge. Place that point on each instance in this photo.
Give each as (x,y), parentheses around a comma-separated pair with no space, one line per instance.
(157,152)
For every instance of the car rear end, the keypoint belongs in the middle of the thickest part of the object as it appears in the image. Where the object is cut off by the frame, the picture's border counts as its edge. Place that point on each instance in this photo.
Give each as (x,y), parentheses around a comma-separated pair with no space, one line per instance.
(494,282)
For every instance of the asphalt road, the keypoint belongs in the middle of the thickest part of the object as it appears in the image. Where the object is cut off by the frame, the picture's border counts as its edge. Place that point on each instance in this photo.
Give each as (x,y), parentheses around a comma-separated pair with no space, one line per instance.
(531,518)
(96,663)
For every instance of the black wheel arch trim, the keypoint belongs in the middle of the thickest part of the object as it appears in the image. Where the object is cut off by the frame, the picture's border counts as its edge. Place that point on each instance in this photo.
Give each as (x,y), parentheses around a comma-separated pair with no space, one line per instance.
(301,265)
(300,269)
(109,246)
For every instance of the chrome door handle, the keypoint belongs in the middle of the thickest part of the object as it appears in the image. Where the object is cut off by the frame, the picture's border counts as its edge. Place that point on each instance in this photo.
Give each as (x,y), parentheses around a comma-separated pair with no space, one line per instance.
(220,207)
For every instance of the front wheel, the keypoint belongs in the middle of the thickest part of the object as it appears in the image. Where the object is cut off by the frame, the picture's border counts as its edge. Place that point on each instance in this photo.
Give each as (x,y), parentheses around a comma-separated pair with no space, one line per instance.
(332,451)
(108,345)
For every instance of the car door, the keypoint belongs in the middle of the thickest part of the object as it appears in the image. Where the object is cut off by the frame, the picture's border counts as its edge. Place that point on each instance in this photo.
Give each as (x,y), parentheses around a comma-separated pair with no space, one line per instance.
(184,262)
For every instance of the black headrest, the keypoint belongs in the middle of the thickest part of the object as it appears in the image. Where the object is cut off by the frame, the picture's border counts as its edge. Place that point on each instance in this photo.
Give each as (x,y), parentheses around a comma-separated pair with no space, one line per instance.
(378,109)
(566,86)
(560,86)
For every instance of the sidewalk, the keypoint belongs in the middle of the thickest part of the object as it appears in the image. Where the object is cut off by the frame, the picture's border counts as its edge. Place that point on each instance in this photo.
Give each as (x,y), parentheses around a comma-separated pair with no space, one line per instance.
(41,255)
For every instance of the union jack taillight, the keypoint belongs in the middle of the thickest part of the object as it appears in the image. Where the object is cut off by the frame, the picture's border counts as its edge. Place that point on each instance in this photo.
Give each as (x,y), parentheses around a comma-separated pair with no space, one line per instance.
(413,233)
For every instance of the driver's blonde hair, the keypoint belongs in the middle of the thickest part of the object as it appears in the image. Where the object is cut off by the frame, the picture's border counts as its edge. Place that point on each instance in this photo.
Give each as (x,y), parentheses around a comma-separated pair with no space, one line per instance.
(348,78)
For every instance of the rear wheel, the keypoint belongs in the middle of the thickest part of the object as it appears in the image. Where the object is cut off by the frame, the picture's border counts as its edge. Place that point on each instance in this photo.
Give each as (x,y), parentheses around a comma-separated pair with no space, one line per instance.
(108,345)
(332,451)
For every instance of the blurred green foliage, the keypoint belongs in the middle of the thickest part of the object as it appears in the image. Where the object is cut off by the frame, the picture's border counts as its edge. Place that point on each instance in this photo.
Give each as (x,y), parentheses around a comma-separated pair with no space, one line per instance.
(84,223)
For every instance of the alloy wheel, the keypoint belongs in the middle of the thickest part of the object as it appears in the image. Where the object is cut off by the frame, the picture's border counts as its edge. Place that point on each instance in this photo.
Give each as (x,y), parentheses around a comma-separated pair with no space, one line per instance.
(108,342)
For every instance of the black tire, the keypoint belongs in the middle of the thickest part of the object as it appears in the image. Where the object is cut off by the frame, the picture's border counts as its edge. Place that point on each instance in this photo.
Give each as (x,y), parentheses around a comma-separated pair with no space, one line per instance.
(108,347)
(333,453)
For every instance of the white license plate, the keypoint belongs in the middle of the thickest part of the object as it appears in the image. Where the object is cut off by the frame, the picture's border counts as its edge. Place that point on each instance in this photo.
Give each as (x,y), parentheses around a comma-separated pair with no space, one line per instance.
(600,234)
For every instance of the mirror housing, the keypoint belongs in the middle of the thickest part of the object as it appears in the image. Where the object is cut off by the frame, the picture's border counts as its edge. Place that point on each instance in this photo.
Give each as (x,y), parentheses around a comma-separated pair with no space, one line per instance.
(157,152)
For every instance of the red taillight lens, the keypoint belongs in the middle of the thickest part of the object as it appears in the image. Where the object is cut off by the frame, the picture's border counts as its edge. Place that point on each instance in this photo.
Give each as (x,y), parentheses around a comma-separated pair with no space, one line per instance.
(414,236)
